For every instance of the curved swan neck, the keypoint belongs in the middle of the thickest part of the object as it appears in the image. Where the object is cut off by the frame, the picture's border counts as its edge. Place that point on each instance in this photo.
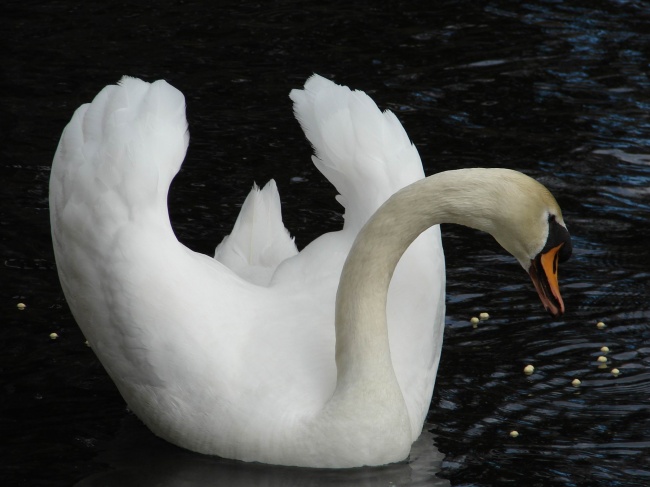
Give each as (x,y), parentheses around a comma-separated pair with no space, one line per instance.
(367,393)
(462,196)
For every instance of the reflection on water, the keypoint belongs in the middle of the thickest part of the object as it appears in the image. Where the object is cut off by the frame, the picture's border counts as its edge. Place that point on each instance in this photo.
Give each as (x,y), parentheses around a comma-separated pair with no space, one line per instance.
(556,89)
(137,458)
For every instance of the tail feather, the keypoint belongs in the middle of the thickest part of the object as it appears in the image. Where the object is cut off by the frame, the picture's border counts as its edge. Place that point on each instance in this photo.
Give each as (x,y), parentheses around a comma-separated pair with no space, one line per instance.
(259,241)
(363,152)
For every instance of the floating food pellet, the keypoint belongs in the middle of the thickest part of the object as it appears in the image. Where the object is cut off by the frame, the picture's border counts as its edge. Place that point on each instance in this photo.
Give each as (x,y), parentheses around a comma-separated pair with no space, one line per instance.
(529,369)
(86,343)
(474,320)
(54,336)
(615,372)
(21,306)
(600,325)
(604,349)
(602,359)
(483,316)
(576,382)
(514,434)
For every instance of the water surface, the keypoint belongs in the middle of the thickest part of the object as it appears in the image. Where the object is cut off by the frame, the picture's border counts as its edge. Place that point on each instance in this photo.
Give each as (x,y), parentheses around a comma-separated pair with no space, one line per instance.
(558,90)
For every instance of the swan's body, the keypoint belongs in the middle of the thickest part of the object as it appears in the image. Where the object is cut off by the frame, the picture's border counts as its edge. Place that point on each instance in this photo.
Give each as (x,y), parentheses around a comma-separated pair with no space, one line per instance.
(244,361)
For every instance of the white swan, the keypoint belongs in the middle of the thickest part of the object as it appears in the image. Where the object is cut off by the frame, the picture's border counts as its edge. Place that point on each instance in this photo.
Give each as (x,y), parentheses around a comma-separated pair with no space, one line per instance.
(245,361)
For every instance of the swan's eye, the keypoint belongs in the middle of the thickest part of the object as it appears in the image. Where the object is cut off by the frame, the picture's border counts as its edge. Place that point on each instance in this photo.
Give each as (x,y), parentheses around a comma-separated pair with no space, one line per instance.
(558,235)
(566,250)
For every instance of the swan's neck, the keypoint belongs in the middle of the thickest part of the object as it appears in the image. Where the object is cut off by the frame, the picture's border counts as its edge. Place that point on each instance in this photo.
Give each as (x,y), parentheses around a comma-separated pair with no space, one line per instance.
(362,349)
(367,391)
(367,407)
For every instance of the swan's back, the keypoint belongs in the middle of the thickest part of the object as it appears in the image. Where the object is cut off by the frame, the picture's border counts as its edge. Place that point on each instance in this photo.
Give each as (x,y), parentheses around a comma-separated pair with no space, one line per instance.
(207,359)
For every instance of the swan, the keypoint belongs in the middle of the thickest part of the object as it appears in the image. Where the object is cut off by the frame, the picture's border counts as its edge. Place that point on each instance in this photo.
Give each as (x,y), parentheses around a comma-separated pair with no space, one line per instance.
(325,357)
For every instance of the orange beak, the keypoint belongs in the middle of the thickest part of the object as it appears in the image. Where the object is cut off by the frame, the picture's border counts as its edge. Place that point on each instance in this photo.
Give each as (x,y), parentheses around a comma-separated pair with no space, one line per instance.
(543,272)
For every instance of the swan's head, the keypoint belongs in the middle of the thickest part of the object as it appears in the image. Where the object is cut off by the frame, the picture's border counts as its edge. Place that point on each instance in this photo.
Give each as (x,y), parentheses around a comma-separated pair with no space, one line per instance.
(543,268)
(531,228)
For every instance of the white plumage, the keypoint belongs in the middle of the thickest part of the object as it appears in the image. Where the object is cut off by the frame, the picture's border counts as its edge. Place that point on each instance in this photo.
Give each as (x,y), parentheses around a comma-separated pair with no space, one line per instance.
(322,358)
(227,356)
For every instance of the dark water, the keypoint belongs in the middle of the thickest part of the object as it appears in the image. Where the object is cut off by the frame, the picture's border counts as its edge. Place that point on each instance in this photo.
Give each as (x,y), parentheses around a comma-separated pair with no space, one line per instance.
(556,89)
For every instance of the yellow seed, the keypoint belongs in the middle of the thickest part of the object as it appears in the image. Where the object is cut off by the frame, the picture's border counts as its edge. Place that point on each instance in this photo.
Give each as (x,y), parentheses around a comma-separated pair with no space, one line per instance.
(21,306)
(604,349)
(602,359)
(615,372)
(514,434)
(483,316)
(54,336)
(474,320)
(576,382)
(529,369)
(600,325)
